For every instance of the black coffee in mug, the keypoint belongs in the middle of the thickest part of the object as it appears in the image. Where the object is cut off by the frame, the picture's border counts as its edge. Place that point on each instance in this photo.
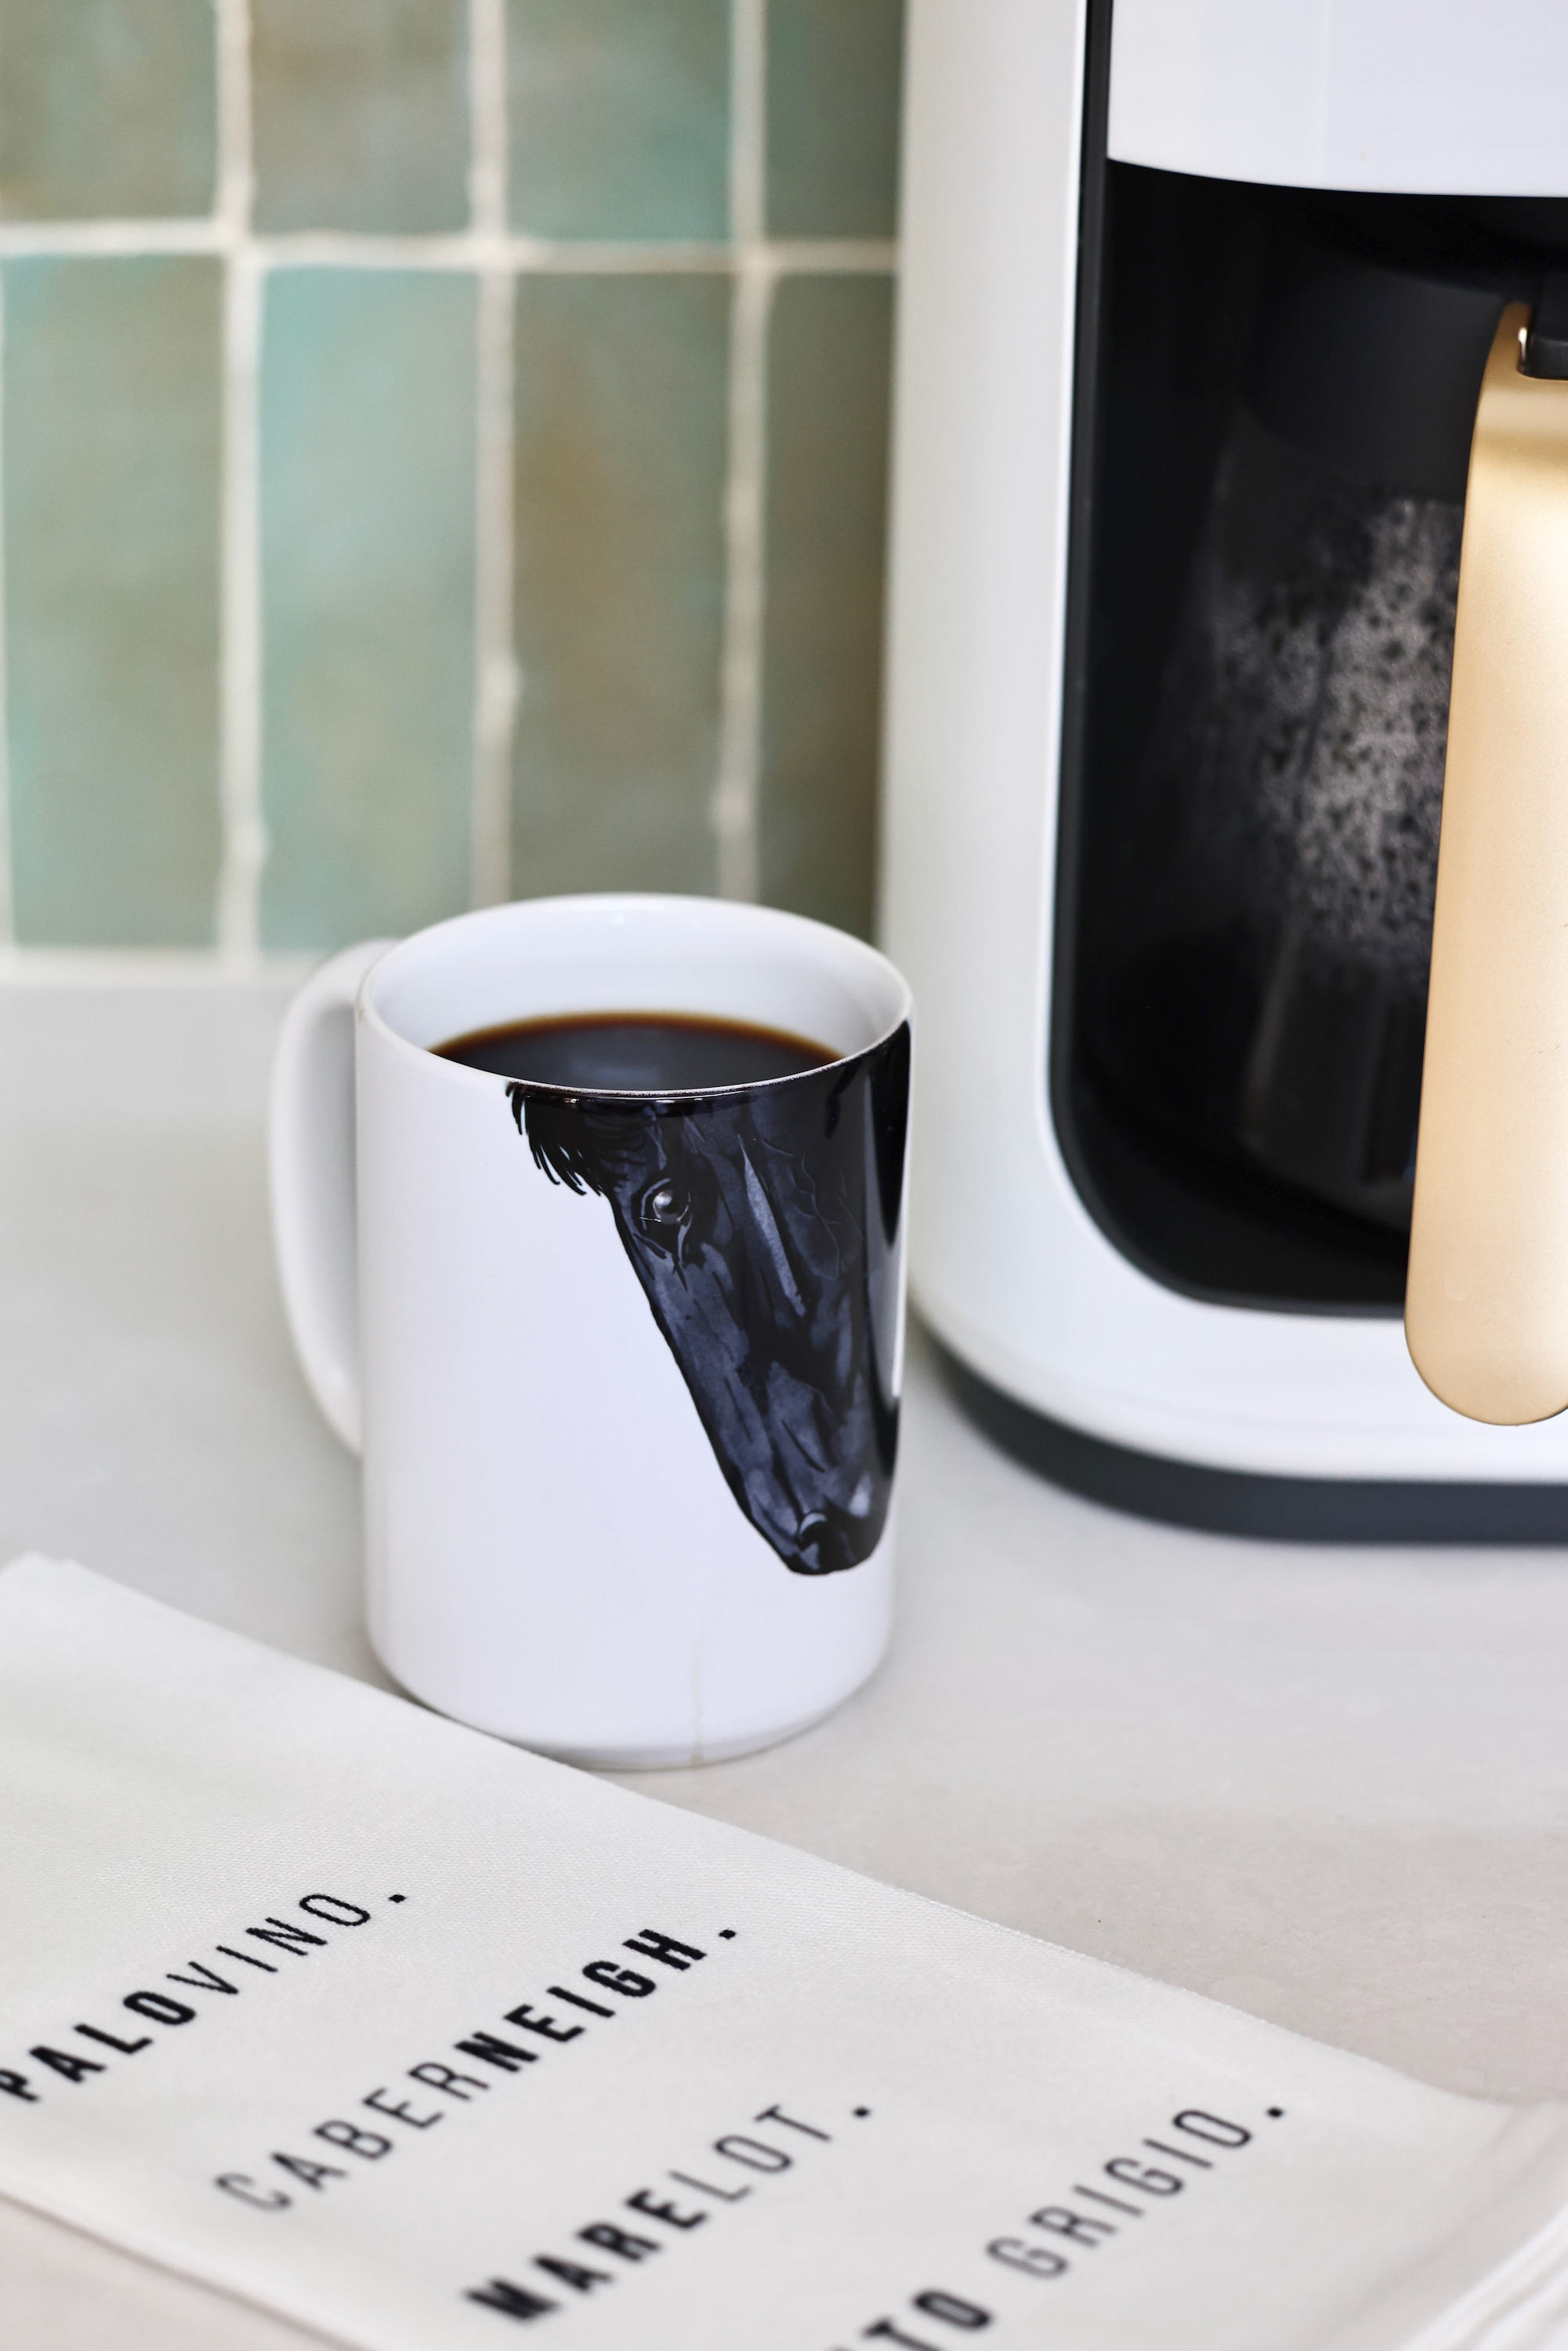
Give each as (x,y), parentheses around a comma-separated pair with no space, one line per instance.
(636,1052)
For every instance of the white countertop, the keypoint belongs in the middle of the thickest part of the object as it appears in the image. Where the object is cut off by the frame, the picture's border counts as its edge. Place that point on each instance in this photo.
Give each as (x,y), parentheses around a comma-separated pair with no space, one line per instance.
(1330,1786)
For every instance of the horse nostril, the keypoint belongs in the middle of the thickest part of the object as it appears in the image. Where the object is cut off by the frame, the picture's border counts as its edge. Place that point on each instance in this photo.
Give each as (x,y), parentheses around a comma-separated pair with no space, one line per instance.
(821,1546)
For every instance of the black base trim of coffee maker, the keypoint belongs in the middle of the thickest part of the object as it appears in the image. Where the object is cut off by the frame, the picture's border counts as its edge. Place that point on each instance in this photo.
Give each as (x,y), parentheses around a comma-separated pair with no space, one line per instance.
(1246,1502)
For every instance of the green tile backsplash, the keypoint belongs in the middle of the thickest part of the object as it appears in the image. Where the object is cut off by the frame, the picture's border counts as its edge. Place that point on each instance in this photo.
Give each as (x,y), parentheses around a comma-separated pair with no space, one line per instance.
(620,489)
(108,109)
(833,89)
(111,464)
(360,114)
(444,449)
(619,118)
(367,527)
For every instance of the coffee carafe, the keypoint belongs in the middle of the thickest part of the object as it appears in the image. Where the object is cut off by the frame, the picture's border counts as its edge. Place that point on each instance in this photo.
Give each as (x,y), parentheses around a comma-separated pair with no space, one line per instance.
(1267,994)
(1262,988)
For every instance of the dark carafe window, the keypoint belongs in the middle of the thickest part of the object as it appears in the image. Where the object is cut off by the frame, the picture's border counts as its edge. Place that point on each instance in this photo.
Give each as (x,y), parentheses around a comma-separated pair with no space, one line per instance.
(1282,394)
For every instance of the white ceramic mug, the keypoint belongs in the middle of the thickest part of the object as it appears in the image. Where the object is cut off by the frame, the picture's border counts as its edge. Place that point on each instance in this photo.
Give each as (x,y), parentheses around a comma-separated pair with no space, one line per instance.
(624,1368)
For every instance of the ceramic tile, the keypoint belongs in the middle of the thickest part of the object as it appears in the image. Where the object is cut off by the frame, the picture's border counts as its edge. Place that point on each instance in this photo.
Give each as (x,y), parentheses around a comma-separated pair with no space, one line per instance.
(619,484)
(367,515)
(111,469)
(834,74)
(620,116)
(360,114)
(106,109)
(828,384)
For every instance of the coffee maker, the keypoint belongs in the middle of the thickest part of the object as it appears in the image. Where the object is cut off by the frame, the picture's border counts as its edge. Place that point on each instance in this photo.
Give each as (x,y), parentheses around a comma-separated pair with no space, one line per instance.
(1201,302)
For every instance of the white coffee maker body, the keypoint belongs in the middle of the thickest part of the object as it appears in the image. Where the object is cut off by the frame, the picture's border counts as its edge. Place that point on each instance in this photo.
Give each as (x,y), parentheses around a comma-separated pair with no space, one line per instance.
(1124,1381)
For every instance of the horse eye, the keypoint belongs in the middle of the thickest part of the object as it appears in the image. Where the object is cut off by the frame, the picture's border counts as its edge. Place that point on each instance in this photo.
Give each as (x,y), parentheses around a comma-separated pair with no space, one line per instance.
(664,1206)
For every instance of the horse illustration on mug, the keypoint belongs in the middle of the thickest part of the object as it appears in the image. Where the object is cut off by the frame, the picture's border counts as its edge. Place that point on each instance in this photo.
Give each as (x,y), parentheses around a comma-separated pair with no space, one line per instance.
(763,1225)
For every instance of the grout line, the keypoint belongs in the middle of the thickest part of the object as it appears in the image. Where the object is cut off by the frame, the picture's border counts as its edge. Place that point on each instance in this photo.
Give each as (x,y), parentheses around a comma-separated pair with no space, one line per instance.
(237,912)
(208,232)
(236,178)
(734,810)
(7,893)
(244,831)
(495,682)
(748,122)
(525,256)
(487,193)
(737,786)
(473,249)
(829,257)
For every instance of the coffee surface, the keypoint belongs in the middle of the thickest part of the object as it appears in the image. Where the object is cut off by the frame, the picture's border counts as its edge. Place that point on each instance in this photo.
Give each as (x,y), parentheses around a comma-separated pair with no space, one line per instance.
(636,1052)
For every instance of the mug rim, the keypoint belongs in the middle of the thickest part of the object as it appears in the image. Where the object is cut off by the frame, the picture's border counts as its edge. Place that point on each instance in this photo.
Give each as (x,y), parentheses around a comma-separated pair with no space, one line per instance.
(588,904)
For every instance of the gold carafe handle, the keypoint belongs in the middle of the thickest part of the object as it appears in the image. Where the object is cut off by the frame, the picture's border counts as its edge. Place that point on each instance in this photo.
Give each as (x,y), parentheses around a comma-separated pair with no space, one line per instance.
(1485,1309)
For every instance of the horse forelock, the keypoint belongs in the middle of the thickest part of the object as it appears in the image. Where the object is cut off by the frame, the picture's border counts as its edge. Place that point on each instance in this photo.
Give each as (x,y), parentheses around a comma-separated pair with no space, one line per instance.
(601,1150)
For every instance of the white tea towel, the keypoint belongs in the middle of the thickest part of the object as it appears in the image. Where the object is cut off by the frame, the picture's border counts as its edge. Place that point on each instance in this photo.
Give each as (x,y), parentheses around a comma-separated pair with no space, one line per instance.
(423,2040)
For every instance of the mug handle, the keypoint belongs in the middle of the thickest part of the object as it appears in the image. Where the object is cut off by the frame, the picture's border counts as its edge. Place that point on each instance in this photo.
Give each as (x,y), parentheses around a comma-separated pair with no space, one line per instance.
(312,1170)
